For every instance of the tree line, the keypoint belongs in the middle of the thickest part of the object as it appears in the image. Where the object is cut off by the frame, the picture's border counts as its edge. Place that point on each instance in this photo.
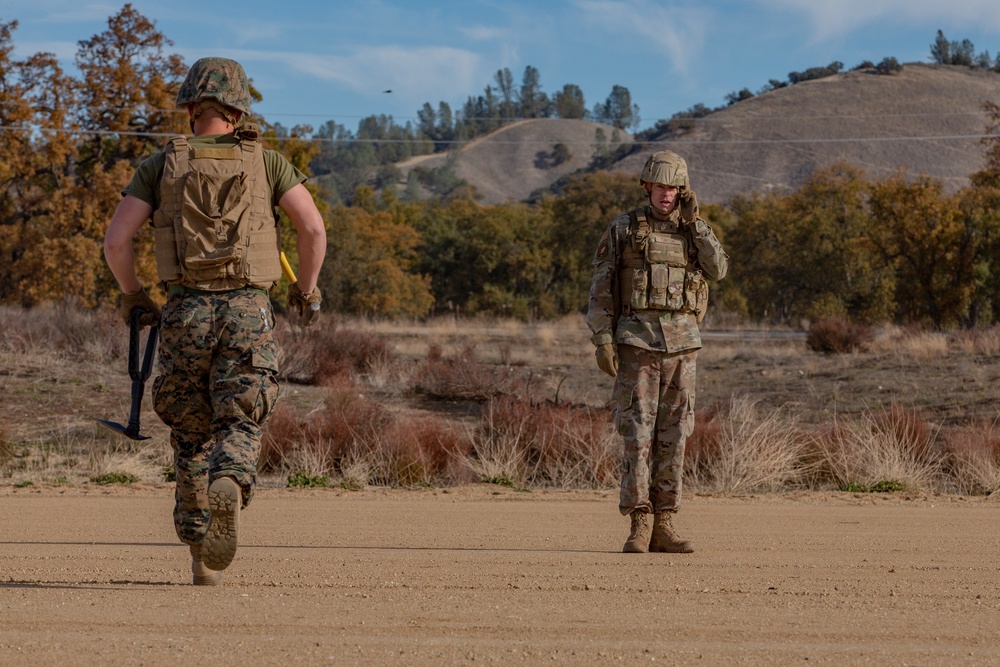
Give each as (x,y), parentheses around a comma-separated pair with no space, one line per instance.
(895,250)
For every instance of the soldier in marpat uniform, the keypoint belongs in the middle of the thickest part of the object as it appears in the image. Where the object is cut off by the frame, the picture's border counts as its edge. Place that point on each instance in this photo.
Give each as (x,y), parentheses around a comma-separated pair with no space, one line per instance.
(211,200)
(647,298)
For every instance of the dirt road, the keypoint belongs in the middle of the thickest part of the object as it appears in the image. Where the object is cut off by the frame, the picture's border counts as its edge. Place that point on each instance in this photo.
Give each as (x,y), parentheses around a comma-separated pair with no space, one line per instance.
(482,574)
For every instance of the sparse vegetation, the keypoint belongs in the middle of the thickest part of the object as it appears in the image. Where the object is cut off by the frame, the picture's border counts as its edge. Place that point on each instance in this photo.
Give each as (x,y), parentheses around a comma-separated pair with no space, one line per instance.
(377,422)
(115,478)
(303,480)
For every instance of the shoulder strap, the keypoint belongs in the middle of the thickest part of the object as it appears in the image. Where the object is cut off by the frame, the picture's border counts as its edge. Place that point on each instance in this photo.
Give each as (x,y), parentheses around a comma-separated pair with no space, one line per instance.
(639,228)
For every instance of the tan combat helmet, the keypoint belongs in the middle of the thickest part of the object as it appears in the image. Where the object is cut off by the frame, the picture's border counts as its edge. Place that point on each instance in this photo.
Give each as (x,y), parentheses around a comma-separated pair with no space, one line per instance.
(665,168)
(216,82)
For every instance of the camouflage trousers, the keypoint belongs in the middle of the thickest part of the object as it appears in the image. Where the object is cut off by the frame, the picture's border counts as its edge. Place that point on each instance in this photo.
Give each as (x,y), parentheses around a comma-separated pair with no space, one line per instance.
(216,389)
(654,413)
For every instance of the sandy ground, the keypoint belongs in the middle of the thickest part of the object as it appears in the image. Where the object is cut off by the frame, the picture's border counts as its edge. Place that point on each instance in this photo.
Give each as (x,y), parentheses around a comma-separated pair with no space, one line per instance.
(484,574)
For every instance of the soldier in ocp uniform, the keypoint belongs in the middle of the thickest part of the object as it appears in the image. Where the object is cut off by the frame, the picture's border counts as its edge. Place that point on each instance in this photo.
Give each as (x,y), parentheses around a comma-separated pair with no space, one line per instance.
(647,298)
(211,201)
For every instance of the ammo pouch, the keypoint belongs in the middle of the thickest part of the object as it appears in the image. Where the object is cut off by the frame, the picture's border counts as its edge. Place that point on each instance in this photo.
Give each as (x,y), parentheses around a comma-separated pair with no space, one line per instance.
(215,229)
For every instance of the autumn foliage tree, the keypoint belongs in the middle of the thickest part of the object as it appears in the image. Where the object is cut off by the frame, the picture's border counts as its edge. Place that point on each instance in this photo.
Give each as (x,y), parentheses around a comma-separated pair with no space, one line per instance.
(373,249)
(806,255)
(72,148)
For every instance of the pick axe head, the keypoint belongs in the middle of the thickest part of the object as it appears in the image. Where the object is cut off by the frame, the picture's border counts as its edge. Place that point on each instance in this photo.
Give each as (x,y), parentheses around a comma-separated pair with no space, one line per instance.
(139,375)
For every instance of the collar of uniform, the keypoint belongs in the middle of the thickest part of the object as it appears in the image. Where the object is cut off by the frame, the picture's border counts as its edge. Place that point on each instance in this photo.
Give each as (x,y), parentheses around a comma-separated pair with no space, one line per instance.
(655,216)
(215,139)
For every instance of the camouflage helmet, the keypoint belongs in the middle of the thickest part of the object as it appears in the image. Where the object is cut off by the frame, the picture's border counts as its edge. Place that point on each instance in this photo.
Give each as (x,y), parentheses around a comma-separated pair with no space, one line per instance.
(665,168)
(218,79)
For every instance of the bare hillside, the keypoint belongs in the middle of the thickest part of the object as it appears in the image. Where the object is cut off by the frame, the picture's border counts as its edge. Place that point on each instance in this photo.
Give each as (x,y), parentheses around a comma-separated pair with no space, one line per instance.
(926,119)
(878,123)
(511,163)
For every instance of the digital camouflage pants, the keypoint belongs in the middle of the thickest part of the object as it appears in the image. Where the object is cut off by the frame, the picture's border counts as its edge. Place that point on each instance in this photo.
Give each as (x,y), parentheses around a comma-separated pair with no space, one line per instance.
(654,413)
(216,388)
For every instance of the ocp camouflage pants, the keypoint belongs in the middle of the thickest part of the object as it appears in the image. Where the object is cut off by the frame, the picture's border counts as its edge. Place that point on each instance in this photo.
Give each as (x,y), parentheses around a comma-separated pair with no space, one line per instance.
(654,412)
(216,389)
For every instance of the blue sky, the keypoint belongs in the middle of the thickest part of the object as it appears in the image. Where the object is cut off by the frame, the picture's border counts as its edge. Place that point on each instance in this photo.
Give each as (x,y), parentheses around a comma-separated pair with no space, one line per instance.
(319,60)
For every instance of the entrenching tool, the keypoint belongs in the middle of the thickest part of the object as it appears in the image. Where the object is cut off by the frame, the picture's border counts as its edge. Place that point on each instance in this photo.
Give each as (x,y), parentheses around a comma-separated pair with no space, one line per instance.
(138,374)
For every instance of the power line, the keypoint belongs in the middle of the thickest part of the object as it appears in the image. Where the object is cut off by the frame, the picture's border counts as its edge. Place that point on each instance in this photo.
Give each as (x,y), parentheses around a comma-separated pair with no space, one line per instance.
(461,142)
(710,117)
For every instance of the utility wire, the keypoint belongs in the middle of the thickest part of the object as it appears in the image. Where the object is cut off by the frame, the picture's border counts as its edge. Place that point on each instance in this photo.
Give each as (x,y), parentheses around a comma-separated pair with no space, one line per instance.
(460,142)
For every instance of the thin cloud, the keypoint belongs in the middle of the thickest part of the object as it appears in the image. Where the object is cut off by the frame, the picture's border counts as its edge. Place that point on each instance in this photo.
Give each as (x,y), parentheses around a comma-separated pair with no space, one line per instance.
(676,32)
(835,18)
(419,72)
(483,33)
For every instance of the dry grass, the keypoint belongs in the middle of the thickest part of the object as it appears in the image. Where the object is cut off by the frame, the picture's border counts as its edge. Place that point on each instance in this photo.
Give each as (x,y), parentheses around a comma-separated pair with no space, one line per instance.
(880,451)
(520,443)
(455,401)
(314,355)
(983,342)
(745,450)
(909,344)
(461,377)
(65,330)
(972,457)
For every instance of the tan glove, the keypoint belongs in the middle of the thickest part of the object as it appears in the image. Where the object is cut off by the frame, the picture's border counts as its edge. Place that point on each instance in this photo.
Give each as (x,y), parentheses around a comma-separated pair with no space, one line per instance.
(607,360)
(307,305)
(689,206)
(128,302)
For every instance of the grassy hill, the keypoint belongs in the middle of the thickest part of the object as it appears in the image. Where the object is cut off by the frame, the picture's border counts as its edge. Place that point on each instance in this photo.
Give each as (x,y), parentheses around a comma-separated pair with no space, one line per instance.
(518,159)
(773,141)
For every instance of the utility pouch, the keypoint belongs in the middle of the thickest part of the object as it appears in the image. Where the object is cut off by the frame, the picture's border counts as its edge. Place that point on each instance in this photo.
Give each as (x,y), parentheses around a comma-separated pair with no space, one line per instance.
(659,283)
(696,295)
(639,281)
(212,207)
(666,249)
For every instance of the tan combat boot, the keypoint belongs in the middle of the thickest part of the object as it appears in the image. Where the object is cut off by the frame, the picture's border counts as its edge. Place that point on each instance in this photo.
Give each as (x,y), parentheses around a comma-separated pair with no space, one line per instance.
(224,500)
(638,538)
(665,540)
(201,574)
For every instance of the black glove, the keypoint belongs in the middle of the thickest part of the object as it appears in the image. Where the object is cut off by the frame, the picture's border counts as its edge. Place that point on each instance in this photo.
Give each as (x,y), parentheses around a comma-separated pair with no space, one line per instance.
(307,305)
(129,302)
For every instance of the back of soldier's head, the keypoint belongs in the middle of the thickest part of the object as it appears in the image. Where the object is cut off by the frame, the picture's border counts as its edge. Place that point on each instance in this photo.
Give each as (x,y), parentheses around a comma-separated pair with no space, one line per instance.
(218,80)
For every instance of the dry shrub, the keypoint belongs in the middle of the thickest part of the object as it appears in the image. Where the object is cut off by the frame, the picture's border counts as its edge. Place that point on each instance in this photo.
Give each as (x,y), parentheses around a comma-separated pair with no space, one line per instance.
(521,443)
(348,420)
(314,355)
(704,444)
(972,457)
(425,451)
(286,431)
(884,451)
(908,427)
(356,439)
(7,451)
(461,378)
(985,342)
(750,451)
(837,335)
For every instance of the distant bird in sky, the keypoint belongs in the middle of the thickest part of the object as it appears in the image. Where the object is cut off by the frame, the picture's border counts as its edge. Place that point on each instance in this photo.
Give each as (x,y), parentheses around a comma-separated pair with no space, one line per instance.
(387,91)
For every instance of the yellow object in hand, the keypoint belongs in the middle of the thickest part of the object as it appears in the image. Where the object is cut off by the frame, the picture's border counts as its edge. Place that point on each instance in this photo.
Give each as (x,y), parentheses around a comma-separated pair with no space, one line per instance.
(286,268)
